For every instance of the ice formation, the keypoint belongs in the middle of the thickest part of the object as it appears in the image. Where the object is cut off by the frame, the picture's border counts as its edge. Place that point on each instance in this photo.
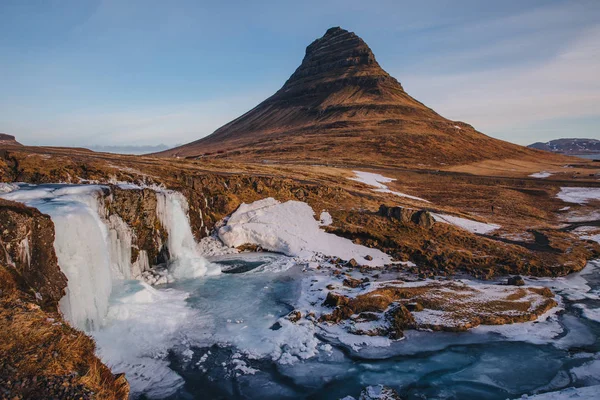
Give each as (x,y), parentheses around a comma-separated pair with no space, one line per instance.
(186,261)
(94,249)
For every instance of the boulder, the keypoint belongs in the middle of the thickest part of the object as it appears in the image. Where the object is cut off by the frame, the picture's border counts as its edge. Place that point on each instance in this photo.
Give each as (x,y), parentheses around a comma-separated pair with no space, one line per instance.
(515,281)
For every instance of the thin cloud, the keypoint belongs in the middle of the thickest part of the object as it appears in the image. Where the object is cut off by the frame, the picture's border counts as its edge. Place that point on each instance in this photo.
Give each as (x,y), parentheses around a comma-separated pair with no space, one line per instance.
(501,99)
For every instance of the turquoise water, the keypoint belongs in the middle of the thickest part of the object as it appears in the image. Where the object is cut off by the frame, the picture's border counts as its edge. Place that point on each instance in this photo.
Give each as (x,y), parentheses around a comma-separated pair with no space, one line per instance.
(244,308)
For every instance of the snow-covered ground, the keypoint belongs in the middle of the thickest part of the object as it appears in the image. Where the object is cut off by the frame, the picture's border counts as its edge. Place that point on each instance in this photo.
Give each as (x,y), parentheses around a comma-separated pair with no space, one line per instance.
(467,224)
(290,228)
(378,181)
(579,195)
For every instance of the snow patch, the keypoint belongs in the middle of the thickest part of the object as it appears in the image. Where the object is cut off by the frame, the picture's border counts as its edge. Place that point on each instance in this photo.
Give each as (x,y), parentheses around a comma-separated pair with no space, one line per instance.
(325,219)
(378,181)
(541,175)
(467,224)
(578,195)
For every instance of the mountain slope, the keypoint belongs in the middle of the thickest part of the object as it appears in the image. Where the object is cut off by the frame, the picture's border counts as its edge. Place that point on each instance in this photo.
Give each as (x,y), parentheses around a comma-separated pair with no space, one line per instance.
(569,146)
(340,106)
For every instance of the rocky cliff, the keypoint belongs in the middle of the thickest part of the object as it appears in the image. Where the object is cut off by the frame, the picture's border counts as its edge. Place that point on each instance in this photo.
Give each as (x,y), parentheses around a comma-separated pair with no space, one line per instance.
(40,355)
(10,140)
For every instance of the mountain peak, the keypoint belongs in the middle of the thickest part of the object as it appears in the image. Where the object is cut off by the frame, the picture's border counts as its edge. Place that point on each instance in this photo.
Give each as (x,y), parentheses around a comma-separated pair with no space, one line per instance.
(341,106)
(339,54)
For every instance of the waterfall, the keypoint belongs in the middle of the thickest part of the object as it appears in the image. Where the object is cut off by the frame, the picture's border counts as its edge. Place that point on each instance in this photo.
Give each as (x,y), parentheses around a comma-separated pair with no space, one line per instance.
(81,246)
(186,261)
(94,249)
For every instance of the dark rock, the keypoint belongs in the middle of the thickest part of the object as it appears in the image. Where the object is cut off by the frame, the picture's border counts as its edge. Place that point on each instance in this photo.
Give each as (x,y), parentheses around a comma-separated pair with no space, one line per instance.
(406,216)
(414,307)
(400,319)
(352,283)
(334,300)
(424,219)
(352,263)
(515,281)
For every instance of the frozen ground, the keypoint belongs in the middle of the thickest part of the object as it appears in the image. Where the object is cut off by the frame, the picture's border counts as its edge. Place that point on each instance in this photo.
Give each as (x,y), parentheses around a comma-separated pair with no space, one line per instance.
(228,335)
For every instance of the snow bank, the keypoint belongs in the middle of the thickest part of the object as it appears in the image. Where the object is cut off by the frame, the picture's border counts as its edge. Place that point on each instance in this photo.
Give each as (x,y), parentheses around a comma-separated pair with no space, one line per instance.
(541,175)
(290,228)
(378,181)
(578,195)
(467,224)
(584,393)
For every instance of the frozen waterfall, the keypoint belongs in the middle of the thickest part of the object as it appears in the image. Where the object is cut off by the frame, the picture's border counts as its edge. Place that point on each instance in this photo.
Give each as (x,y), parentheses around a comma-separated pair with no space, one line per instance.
(185,258)
(94,249)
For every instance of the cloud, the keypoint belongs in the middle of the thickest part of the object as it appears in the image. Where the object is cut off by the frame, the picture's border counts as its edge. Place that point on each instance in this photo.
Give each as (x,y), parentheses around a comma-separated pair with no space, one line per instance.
(565,85)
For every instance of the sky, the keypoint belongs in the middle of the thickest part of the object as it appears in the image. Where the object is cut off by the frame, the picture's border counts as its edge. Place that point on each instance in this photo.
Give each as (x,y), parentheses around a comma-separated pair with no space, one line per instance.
(115,72)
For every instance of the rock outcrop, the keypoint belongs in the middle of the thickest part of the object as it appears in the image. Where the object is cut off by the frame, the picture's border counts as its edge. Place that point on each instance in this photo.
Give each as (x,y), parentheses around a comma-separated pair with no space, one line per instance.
(422,218)
(137,208)
(27,240)
(10,140)
(340,106)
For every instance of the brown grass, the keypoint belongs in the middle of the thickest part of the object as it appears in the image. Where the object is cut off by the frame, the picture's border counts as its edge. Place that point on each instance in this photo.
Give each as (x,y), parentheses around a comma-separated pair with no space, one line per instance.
(38,349)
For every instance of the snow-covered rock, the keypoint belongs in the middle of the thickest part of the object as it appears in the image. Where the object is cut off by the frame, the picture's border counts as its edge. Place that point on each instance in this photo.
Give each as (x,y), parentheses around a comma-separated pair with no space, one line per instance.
(291,228)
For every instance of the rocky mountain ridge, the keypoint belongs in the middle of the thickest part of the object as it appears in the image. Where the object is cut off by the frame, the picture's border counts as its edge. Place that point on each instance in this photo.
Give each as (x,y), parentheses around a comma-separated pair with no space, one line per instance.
(569,146)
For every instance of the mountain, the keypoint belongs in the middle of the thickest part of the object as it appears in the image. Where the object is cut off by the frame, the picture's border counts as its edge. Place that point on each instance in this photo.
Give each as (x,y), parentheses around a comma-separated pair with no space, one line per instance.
(340,106)
(569,146)
(6,139)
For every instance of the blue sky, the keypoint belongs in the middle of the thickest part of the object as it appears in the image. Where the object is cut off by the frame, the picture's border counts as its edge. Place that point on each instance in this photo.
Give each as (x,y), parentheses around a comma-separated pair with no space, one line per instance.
(115,72)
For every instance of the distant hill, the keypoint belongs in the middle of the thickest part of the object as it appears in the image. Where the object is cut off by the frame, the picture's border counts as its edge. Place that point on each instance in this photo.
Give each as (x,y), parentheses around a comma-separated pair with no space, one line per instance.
(570,146)
(341,107)
(6,139)
(129,149)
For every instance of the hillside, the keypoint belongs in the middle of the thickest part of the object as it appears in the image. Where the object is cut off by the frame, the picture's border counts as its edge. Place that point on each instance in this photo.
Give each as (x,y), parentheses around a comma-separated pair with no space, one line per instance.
(340,106)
